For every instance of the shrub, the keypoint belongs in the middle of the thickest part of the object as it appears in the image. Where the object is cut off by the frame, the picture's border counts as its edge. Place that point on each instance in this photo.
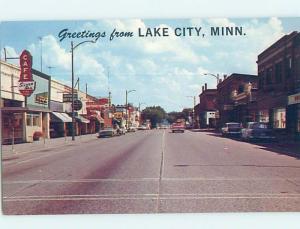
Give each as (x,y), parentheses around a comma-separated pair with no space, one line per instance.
(37,135)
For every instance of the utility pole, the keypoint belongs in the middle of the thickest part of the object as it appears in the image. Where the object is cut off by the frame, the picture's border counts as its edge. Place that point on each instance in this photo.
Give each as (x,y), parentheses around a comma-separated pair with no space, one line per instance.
(73,114)
(126,102)
(41,41)
(126,107)
(72,57)
(108,88)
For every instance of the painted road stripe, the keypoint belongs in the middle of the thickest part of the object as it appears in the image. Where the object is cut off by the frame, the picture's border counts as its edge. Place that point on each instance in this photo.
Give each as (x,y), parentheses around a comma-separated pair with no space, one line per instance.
(146,179)
(148,198)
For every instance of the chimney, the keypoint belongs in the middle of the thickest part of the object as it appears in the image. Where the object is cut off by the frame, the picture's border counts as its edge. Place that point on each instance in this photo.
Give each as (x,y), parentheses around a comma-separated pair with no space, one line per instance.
(205,87)
(224,76)
(202,88)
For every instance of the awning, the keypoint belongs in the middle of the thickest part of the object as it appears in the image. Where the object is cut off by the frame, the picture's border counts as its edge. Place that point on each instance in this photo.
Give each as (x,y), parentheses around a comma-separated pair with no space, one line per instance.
(61,117)
(82,119)
(97,117)
(24,109)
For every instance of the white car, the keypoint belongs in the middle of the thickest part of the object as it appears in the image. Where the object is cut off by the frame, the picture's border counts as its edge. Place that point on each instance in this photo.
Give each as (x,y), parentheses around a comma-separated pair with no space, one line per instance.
(232,129)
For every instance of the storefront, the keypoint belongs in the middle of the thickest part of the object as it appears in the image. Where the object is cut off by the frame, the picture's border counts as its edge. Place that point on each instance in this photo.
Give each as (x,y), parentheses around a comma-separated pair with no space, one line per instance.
(13,125)
(38,108)
(96,123)
(59,124)
(294,114)
(279,118)
(263,116)
(81,125)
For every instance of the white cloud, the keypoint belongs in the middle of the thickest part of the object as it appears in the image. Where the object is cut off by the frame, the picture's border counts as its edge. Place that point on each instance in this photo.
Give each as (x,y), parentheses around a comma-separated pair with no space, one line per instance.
(163,70)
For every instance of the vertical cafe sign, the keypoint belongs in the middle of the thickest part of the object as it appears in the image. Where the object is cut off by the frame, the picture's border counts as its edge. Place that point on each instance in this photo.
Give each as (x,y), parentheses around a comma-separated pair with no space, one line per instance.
(26,83)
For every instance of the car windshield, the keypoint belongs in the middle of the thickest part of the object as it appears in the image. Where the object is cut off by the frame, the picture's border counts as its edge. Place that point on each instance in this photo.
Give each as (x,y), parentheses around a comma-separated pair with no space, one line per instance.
(234,125)
(259,126)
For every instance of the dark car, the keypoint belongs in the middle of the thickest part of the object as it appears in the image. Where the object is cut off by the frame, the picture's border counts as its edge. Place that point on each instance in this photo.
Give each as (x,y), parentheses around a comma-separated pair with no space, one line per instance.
(257,131)
(107,132)
(232,129)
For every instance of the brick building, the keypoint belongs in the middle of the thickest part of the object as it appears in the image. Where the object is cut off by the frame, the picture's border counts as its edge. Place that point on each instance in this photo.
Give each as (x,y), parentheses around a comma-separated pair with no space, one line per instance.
(207,110)
(279,85)
(233,98)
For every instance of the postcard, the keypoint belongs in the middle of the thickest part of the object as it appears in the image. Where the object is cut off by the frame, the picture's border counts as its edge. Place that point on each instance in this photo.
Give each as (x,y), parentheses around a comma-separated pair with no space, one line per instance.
(197,115)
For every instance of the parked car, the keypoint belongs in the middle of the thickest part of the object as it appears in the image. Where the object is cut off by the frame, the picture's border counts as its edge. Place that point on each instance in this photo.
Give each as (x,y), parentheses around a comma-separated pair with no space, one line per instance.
(178,127)
(107,132)
(142,127)
(257,131)
(131,129)
(232,129)
(121,131)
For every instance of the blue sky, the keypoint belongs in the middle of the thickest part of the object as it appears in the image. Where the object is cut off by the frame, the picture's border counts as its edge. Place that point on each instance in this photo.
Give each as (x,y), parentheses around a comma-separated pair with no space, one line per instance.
(162,70)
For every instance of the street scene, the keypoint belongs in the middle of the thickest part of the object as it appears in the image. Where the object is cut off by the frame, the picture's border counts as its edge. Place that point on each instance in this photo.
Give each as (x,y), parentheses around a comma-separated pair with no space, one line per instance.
(157,116)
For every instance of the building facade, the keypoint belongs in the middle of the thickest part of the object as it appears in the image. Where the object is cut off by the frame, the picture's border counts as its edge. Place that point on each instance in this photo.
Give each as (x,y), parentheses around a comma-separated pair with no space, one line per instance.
(23,118)
(279,85)
(208,112)
(227,89)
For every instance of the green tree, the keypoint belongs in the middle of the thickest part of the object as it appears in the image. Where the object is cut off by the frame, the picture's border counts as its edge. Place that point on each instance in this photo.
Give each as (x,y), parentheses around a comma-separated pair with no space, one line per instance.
(155,114)
(173,116)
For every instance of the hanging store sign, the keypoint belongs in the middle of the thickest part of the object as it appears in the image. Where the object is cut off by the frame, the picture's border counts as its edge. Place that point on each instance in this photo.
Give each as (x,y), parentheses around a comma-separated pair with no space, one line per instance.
(294,99)
(26,83)
(77,105)
(67,98)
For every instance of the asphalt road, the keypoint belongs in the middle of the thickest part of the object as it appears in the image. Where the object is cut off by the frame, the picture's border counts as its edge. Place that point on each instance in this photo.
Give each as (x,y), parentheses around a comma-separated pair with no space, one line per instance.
(152,171)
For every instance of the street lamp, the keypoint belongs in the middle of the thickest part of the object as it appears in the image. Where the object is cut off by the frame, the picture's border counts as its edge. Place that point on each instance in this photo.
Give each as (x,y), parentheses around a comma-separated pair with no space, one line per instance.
(41,60)
(216,76)
(72,53)
(127,92)
(194,99)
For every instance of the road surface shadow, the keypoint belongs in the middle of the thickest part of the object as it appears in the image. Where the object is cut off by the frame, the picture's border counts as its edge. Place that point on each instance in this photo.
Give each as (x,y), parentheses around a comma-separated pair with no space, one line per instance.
(289,148)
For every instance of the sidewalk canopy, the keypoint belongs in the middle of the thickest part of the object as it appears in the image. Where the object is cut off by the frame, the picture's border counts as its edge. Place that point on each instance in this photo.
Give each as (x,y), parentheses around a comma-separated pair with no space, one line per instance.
(82,119)
(60,117)
(97,117)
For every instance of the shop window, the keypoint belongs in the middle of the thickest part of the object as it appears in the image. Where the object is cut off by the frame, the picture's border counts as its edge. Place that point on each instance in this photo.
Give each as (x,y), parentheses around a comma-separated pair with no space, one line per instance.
(279,120)
(28,120)
(35,120)
(6,122)
(263,116)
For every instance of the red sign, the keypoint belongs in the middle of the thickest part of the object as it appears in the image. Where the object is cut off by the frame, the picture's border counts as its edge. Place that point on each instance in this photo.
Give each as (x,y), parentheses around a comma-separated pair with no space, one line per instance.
(103,101)
(26,83)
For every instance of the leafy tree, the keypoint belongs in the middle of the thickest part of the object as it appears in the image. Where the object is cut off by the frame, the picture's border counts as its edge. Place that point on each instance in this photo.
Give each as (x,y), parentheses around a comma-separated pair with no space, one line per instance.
(155,114)
(174,115)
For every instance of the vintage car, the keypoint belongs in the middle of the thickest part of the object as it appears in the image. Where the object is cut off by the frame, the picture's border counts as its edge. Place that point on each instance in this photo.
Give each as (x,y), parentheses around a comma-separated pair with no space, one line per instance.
(178,127)
(232,129)
(257,131)
(107,132)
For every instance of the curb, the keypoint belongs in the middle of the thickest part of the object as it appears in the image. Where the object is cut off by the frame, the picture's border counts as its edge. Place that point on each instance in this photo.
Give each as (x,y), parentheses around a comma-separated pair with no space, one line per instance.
(4,158)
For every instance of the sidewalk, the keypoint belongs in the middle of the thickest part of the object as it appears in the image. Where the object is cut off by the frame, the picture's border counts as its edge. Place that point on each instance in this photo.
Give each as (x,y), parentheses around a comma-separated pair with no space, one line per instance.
(9,151)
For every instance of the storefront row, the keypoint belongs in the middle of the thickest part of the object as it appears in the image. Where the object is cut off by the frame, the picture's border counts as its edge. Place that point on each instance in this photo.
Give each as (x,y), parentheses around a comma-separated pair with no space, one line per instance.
(21,125)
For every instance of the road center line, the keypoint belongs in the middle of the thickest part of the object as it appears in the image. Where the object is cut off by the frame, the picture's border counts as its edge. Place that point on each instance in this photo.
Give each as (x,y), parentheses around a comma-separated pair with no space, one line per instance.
(161,169)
